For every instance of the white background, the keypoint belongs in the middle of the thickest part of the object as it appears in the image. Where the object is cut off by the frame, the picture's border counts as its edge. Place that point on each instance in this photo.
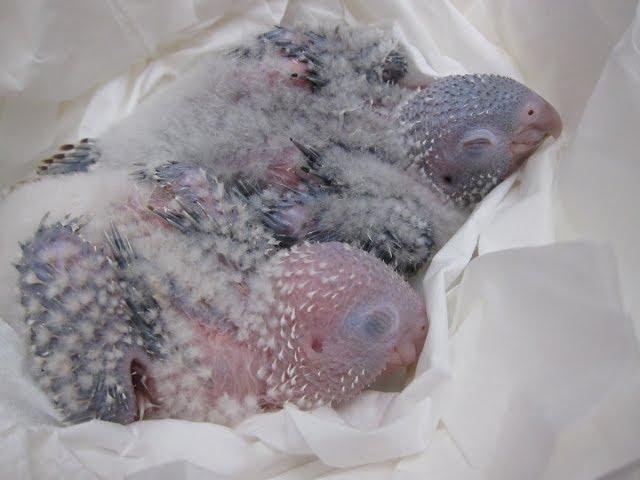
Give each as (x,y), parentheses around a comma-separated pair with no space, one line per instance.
(531,367)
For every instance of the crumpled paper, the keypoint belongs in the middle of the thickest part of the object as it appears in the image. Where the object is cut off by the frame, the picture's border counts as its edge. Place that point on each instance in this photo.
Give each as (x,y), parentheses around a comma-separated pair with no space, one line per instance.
(530,368)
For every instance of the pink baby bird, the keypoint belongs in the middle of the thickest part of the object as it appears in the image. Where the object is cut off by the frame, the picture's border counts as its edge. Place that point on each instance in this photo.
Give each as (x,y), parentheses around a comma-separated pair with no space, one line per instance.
(185,309)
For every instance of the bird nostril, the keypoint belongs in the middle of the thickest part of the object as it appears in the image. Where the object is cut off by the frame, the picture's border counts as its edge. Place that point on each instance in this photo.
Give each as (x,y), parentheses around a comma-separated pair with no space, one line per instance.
(530,112)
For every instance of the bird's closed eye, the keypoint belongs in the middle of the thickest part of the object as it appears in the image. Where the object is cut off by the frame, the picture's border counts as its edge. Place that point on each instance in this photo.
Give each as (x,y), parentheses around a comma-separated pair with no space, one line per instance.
(373,325)
(477,142)
(376,325)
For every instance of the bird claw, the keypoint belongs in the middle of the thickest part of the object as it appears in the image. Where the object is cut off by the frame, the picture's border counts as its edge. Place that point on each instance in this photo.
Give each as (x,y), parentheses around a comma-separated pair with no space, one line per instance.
(71,158)
(395,67)
(301,48)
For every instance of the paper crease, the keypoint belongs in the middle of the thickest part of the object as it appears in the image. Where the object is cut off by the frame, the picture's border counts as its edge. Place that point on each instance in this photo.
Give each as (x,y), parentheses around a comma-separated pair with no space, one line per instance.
(530,368)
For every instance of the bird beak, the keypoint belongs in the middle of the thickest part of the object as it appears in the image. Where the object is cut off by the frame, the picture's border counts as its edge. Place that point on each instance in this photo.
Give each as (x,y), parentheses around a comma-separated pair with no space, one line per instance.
(537,121)
(407,351)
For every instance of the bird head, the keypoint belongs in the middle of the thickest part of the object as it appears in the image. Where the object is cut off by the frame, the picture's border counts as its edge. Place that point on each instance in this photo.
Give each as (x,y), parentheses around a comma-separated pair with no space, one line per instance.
(467,133)
(348,317)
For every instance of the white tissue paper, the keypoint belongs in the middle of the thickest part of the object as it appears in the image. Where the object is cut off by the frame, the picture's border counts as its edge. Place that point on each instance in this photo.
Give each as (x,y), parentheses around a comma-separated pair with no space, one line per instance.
(531,368)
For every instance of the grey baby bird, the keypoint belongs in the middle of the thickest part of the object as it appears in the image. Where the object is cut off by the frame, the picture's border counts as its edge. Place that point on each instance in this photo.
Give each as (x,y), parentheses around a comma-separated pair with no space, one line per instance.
(326,139)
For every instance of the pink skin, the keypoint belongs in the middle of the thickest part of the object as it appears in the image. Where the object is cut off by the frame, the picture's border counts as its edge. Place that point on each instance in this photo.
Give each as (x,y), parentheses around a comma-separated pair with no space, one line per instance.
(348,319)
(353,315)
(275,70)
(342,319)
(286,69)
(536,120)
(284,169)
(231,367)
(351,319)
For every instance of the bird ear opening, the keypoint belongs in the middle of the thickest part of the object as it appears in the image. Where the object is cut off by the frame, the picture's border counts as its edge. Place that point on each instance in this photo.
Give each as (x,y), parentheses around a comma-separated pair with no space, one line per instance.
(143,387)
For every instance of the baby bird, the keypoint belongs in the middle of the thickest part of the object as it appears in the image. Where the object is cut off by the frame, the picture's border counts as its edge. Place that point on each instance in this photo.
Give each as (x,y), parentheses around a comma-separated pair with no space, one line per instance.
(176,303)
(330,141)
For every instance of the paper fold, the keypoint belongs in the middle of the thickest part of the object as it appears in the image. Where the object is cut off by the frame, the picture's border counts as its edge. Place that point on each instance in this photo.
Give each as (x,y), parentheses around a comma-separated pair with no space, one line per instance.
(530,365)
